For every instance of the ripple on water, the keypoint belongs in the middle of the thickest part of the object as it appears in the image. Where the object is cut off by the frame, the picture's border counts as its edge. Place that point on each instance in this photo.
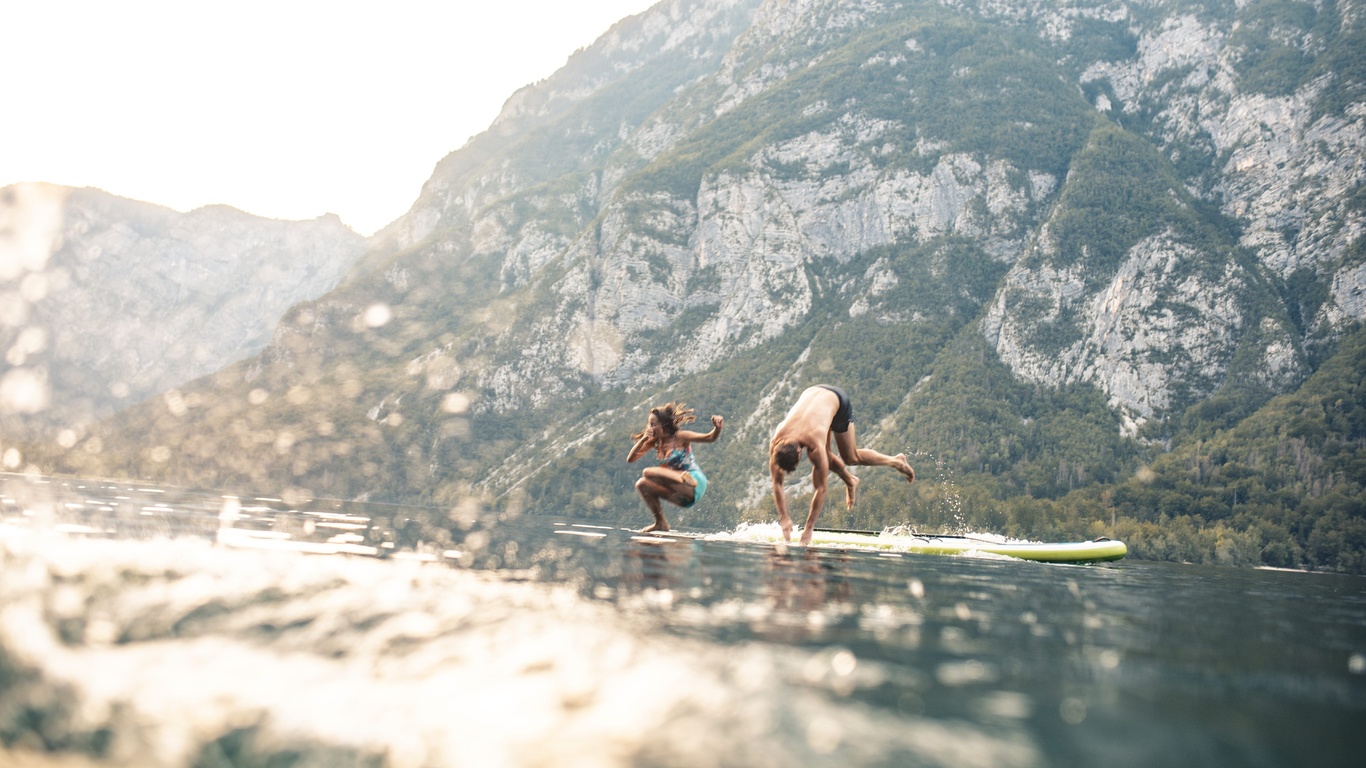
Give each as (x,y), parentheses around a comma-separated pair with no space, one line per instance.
(174,652)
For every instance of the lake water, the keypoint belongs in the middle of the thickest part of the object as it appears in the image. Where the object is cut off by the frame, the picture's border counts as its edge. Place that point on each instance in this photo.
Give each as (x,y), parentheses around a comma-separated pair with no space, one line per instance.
(145,626)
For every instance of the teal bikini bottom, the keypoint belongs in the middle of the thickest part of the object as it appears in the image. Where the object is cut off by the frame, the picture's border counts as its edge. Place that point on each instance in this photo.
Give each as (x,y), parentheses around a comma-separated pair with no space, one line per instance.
(700,489)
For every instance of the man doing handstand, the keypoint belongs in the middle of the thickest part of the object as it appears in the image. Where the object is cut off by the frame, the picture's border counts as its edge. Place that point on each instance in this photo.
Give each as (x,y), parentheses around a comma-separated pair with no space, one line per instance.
(820,412)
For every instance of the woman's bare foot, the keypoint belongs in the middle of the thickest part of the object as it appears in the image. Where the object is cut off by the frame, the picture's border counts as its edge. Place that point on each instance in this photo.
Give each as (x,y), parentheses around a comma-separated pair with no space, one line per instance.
(904,467)
(850,490)
(660,525)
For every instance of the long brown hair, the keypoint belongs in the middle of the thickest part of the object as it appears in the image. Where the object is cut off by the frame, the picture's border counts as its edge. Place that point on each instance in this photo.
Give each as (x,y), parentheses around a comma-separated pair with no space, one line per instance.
(670,416)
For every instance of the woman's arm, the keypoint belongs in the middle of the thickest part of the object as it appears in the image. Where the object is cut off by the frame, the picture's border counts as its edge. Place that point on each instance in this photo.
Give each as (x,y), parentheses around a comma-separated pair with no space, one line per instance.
(645,443)
(698,437)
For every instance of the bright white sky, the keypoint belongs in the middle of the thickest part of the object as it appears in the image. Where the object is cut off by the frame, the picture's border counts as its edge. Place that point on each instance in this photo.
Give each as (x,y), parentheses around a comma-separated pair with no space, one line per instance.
(283,108)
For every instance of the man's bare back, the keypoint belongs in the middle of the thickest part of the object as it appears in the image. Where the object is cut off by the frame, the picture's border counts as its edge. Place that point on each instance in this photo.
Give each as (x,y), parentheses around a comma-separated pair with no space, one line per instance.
(821,412)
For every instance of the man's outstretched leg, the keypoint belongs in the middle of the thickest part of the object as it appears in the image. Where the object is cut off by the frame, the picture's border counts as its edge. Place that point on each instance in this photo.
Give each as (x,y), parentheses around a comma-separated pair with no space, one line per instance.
(855,456)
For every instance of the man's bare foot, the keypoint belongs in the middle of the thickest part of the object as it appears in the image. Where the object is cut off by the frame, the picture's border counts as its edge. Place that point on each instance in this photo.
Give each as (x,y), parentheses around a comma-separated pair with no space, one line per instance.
(850,491)
(904,467)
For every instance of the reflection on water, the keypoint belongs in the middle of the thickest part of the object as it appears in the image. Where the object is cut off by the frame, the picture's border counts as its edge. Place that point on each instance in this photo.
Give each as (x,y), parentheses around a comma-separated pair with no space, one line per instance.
(163,627)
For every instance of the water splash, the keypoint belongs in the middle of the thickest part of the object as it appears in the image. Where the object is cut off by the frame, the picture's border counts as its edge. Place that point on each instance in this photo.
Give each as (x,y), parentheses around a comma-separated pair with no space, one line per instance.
(945,490)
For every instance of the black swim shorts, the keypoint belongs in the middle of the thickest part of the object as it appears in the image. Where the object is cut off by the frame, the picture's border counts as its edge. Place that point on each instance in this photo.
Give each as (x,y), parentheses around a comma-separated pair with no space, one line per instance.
(845,415)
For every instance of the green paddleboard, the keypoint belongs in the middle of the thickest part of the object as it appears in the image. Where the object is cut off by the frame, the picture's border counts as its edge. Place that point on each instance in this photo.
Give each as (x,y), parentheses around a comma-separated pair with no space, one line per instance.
(1100,550)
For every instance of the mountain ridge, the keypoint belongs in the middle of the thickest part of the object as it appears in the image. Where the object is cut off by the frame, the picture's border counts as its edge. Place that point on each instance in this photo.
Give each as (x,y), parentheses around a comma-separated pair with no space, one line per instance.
(119,300)
(1048,242)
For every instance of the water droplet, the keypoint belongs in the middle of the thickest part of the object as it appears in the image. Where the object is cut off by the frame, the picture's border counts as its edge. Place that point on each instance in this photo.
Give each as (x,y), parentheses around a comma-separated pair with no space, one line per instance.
(34,287)
(32,340)
(377,315)
(1073,711)
(23,391)
(911,704)
(966,672)
(455,402)
(1006,705)
(843,663)
(175,403)
(824,735)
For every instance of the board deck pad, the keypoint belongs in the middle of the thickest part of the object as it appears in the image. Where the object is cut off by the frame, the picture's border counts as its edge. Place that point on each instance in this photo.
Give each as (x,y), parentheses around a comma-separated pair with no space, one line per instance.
(1099,550)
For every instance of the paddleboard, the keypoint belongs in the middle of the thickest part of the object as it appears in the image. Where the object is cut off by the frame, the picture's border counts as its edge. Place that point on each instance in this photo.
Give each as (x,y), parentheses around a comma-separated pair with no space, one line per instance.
(1099,550)
(896,540)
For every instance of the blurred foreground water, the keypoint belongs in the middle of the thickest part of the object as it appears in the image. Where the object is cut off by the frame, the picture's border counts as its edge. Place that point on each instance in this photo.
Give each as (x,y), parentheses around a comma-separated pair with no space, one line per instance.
(144,626)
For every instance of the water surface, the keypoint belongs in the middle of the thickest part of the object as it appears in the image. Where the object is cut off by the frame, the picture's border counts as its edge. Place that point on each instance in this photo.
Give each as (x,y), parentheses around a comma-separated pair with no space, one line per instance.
(156,626)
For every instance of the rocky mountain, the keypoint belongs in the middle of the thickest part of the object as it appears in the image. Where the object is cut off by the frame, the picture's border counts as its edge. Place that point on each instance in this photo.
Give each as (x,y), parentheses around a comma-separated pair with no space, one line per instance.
(108,301)
(1042,242)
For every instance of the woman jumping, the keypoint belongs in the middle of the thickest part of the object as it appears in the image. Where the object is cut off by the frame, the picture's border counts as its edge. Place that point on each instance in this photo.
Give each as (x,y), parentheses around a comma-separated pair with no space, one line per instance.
(677,480)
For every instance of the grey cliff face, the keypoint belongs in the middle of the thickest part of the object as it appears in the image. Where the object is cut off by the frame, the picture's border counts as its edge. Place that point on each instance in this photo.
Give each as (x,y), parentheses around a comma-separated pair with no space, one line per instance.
(131,299)
(1284,171)
(740,251)
(678,40)
(1153,324)
(712,175)
(744,254)
(1286,168)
